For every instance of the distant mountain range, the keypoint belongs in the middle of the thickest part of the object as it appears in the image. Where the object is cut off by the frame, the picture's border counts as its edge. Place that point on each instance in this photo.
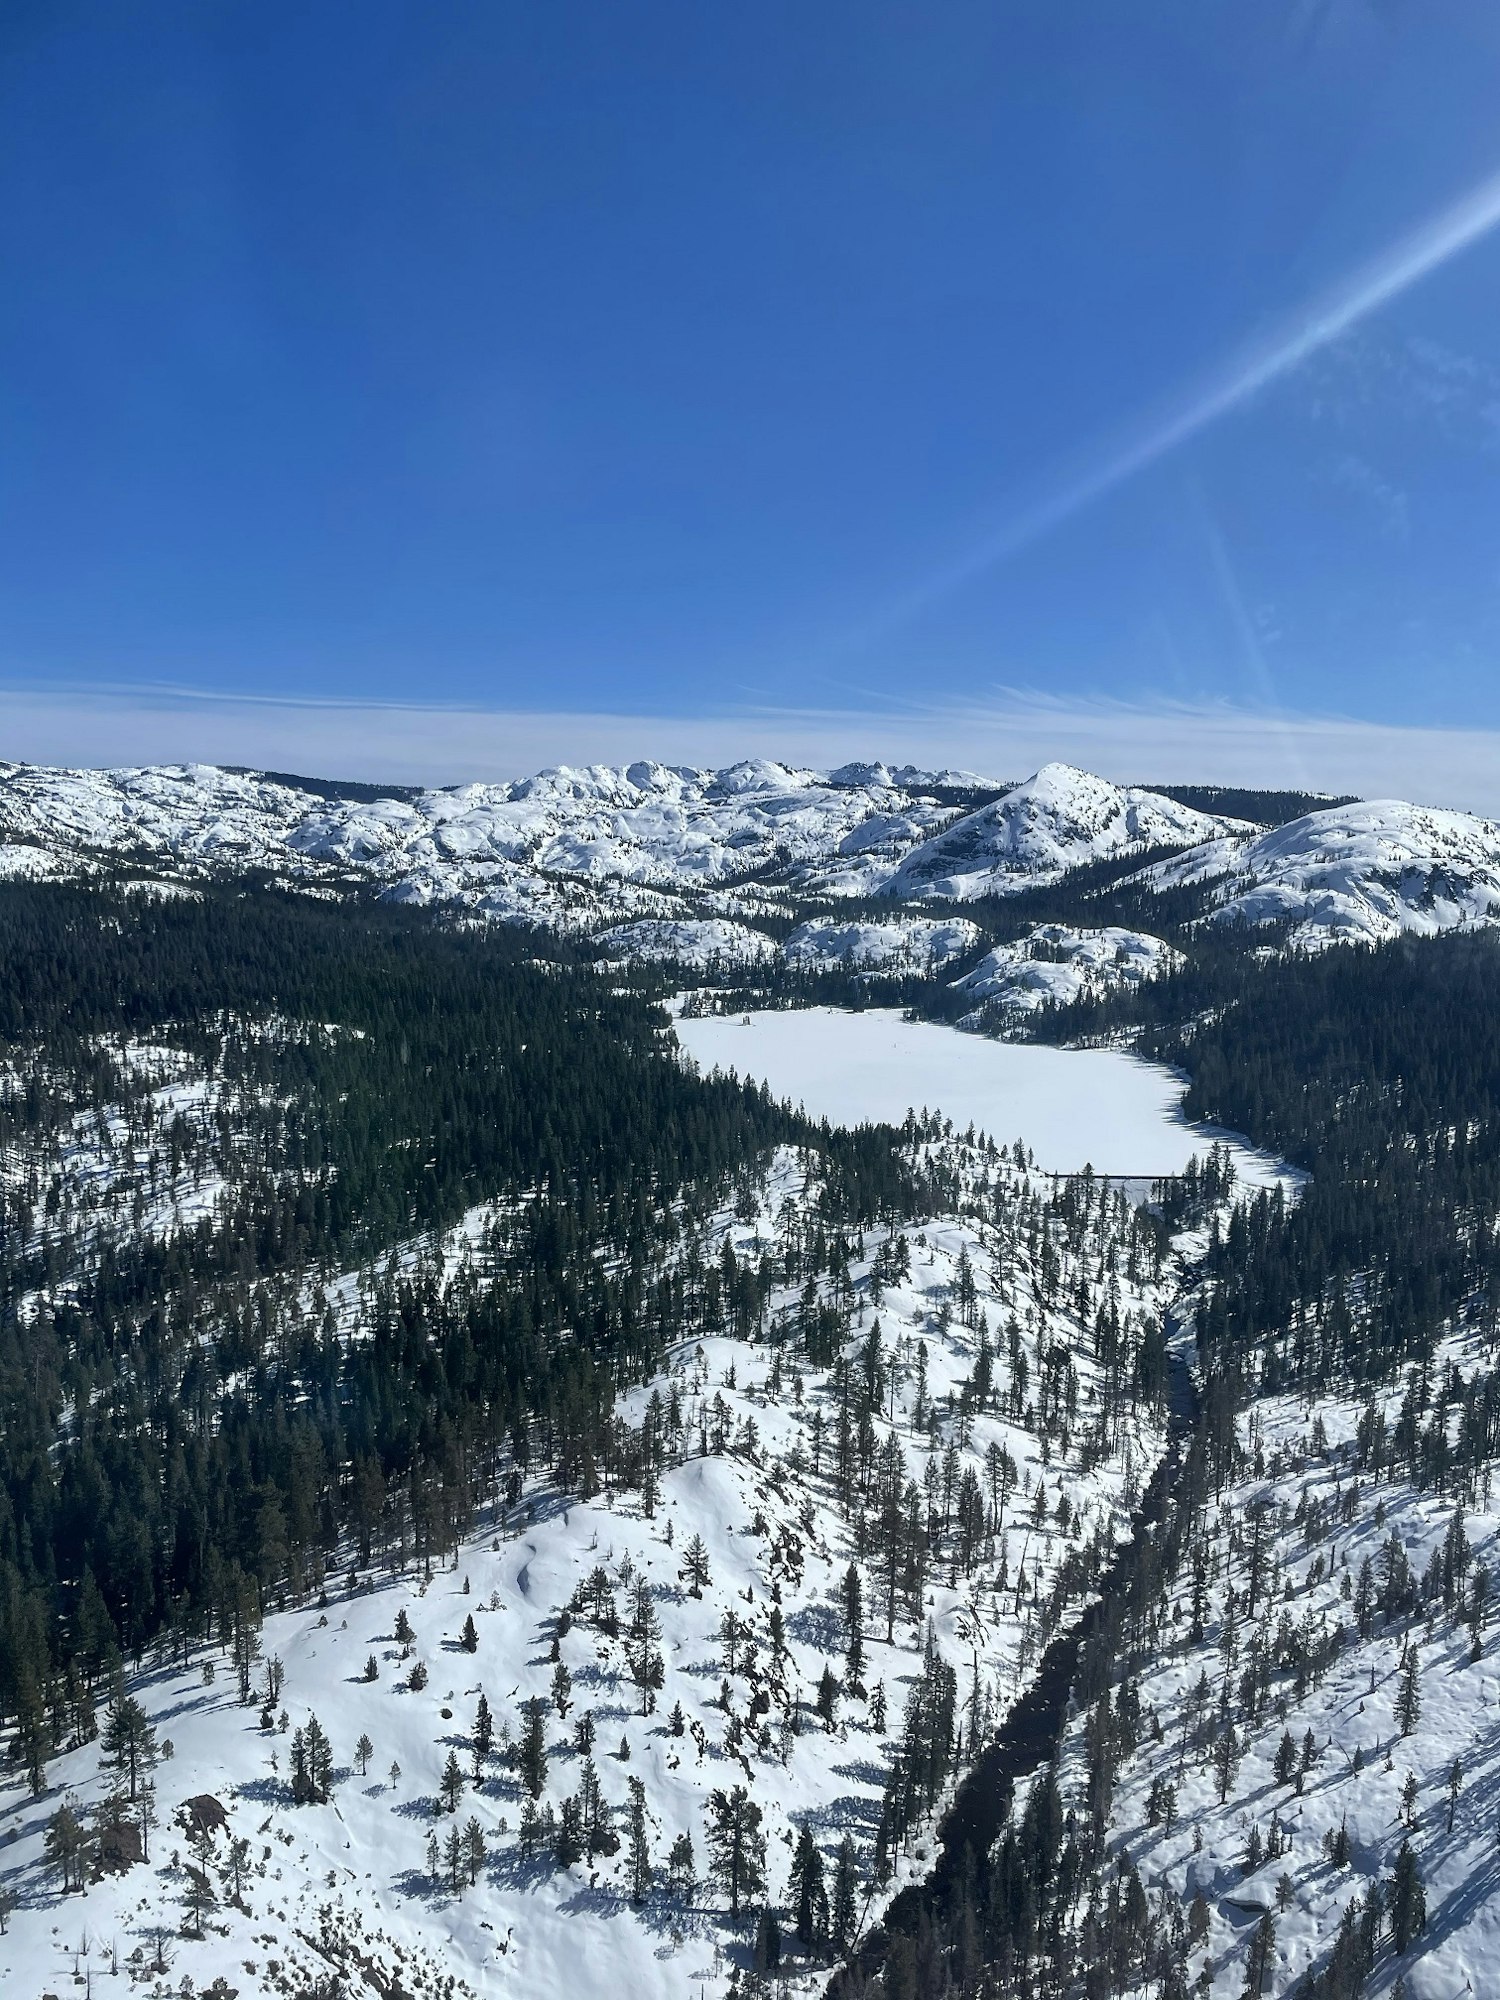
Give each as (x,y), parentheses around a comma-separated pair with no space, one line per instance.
(604,850)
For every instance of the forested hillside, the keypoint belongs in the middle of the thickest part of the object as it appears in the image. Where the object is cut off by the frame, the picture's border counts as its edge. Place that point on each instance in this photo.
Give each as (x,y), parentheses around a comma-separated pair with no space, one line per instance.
(210,1107)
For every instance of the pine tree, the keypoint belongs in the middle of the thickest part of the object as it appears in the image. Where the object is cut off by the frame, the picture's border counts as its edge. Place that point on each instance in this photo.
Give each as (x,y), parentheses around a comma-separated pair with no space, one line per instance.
(695,1565)
(66,1846)
(451,1784)
(845,1895)
(828,1694)
(562,1687)
(736,1845)
(854,1654)
(642,1658)
(568,1844)
(483,1740)
(638,1865)
(1408,1899)
(469,1637)
(128,1742)
(1261,1958)
(201,1893)
(364,1750)
(475,1853)
(1226,1759)
(531,1757)
(766,1953)
(319,1763)
(1409,1694)
(681,1867)
(1285,1767)
(806,1893)
(593,1814)
(33,1738)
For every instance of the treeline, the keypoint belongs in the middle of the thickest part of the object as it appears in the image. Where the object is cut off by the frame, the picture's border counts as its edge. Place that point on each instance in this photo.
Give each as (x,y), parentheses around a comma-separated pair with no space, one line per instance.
(186,1427)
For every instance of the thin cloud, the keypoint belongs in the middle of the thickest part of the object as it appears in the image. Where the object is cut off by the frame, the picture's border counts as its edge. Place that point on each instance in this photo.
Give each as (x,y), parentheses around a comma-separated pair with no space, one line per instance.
(1005,736)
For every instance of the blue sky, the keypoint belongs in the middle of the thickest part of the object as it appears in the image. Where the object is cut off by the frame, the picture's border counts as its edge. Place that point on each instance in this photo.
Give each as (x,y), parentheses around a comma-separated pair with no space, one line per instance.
(704,363)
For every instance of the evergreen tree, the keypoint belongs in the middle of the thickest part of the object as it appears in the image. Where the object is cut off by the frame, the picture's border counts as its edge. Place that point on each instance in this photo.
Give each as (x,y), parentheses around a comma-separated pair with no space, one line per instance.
(736,1845)
(1408,1899)
(766,1953)
(483,1739)
(1409,1694)
(854,1651)
(809,1899)
(1262,1957)
(638,1865)
(695,1565)
(531,1756)
(451,1784)
(66,1847)
(681,1867)
(128,1742)
(845,1895)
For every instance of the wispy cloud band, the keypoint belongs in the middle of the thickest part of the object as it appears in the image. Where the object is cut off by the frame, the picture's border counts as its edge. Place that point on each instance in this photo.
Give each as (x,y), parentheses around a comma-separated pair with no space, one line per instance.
(1006,736)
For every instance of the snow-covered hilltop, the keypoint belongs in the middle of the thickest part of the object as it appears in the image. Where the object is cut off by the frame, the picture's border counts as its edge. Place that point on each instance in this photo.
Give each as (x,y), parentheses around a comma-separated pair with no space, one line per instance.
(1054,964)
(903,943)
(1362,873)
(1060,819)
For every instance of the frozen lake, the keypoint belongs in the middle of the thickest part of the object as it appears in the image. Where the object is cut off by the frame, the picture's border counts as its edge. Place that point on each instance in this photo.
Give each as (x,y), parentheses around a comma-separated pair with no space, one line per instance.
(1074,1108)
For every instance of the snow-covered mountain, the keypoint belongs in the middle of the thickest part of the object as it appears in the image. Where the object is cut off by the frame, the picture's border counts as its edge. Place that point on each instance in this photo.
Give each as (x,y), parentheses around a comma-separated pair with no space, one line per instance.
(598,848)
(1060,819)
(1357,873)
(1054,964)
(589,847)
(572,847)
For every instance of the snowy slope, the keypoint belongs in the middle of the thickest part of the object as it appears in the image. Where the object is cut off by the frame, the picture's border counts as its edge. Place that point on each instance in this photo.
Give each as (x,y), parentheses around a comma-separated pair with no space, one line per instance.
(1059,819)
(349,1885)
(901,943)
(1357,873)
(1054,964)
(697,942)
(1327,1513)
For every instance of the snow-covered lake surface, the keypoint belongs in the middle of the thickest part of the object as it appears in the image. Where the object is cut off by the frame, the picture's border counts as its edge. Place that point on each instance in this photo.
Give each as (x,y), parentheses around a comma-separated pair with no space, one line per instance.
(1102,1108)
